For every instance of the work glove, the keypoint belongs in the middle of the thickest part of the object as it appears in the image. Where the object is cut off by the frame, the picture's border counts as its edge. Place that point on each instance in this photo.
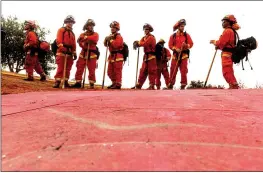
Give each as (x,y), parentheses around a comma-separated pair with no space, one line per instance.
(135,45)
(178,50)
(62,49)
(74,56)
(213,42)
(184,46)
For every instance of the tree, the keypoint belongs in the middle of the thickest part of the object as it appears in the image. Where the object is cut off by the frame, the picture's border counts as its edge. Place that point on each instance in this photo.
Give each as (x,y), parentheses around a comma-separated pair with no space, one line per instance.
(200,84)
(12,53)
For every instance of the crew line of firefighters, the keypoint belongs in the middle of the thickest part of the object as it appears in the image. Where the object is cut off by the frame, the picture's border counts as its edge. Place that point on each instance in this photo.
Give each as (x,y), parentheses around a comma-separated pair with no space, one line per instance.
(179,43)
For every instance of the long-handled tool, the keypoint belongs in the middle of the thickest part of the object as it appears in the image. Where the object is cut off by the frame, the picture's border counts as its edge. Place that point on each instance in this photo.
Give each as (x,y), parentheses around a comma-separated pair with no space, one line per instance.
(85,70)
(210,68)
(64,71)
(105,67)
(176,65)
(138,55)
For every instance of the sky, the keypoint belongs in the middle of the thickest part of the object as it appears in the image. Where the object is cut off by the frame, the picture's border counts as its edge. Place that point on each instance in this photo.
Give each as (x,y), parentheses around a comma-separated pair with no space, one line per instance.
(203,24)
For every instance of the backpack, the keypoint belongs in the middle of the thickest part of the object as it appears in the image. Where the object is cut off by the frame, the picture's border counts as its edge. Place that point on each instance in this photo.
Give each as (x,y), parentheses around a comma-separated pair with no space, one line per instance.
(159,52)
(97,52)
(43,48)
(186,41)
(54,46)
(125,51)
(241,49)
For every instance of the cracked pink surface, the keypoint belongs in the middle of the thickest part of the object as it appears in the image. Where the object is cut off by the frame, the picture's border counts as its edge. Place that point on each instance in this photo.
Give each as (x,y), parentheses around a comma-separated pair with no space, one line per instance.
(193,130)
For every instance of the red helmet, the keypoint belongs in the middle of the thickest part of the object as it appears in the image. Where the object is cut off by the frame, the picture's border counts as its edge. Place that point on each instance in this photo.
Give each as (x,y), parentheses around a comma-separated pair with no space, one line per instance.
(115,24)
(182,21)
(230,18)
(146,25)
(30,23)
(69,18)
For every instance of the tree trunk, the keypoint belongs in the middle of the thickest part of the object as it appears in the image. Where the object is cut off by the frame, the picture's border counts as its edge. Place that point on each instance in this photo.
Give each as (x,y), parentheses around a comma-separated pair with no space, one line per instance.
(11,69)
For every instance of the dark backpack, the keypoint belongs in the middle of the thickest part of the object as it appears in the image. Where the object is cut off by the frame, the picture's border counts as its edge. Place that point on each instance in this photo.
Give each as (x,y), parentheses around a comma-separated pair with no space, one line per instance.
(159,53)
(186,41)
(54,46)
(241,49)
(43,47)
(125,51)
(97,52)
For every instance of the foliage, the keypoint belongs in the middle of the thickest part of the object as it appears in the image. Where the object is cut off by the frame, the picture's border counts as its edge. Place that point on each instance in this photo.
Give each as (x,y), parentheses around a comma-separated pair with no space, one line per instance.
(12,53)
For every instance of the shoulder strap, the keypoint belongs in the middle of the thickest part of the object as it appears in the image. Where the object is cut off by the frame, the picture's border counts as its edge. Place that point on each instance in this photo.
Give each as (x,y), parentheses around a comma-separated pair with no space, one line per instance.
(174,37)
(236,36)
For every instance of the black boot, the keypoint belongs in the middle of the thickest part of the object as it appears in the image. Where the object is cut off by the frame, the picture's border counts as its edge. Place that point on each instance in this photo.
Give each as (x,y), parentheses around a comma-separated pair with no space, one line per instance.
(169,87)
(137,86)
(66,84)
(91,86)
(43,77)
(183,87)
(110,86)
(76,85)
(151,87)
(29,78)
(116,86)
(57,83)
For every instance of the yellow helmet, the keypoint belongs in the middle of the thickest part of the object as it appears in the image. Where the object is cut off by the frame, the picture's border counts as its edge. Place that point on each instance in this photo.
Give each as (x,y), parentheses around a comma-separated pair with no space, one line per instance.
(161,41)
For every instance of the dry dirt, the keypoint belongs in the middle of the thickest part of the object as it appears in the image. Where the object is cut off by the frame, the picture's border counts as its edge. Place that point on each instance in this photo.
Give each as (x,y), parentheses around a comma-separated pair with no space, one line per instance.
(12,83)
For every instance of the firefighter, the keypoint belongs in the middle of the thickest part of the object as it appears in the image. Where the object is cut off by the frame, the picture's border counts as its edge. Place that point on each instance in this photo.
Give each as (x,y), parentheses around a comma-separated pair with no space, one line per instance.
(225,43)
(66,49)
(149,65)
(31,50)
(163,55)
(115,60)
(87,40)
(180,43)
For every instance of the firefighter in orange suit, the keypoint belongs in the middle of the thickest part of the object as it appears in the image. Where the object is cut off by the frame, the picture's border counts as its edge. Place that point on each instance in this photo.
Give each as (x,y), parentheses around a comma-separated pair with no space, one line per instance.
(149,65)
(87,40)
(66,43)
(162,68)
(115,60)
(180,43)
(30,47)
(225,43)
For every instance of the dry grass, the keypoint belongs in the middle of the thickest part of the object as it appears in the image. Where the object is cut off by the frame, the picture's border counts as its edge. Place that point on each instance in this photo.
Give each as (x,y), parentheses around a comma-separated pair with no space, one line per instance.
(12,83)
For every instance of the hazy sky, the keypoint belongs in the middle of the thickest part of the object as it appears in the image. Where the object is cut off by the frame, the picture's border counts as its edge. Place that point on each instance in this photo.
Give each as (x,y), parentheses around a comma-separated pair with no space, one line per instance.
(203,24)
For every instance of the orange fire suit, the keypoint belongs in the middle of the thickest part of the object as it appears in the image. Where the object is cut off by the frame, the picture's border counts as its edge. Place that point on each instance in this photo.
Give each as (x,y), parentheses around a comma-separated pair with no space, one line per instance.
(31,61)
(115,59)
(149,65)
(227,40)
(176,43)
(162,68)
(85,39)
(66,43)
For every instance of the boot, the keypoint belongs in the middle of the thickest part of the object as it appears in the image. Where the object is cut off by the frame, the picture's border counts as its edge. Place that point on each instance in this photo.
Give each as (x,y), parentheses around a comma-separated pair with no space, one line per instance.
(29,78)
(91,86)
(137,86)
(66,84)
(116,86)
(110,86)
(57,83)
(233,86)
(76,85)
(183,87)
(151,87)
(158,87)
(43,77)
(169,87)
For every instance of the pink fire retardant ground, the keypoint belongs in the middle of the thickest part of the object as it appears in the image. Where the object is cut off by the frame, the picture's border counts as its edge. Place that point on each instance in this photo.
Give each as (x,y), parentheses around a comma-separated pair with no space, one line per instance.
(191,130)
